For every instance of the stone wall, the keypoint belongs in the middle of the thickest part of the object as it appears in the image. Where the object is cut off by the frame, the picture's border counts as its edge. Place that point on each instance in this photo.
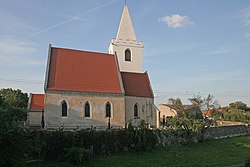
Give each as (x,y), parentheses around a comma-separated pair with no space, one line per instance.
(75,114)
(227,131)
(169,137)
(145,110)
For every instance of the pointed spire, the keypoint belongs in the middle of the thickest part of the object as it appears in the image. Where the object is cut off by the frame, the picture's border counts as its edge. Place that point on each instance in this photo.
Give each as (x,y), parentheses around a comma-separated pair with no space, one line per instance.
(126,31)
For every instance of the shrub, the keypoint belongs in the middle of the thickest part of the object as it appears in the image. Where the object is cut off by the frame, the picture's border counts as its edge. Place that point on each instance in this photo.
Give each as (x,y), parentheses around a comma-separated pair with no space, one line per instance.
(54,143)
(247,162)
(14,139)
(140,138)
(77,156)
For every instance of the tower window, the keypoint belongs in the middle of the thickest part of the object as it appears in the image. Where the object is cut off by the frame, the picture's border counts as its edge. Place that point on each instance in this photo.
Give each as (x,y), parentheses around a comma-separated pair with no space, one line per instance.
(136,114)
(127,55)
(87,110)
(108,110)
(64,109)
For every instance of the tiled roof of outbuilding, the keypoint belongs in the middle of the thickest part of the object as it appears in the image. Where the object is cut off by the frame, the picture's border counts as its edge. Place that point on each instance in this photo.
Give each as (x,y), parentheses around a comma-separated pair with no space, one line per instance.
(37,102)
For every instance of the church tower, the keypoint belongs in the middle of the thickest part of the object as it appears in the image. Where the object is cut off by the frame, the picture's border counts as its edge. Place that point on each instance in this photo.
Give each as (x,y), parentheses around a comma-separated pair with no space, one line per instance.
(125,45)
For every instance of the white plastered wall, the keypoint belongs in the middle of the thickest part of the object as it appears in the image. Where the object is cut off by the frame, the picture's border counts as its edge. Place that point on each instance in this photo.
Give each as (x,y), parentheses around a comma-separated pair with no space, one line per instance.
(75,117)
(146,111)
(135,65)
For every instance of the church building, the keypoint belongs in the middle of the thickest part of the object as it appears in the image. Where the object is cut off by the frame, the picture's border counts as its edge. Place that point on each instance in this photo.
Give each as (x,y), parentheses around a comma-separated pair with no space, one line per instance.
(98,90)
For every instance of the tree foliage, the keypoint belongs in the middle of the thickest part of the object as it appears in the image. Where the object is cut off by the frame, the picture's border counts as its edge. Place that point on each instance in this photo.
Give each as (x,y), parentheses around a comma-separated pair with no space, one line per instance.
(191,118)
(13,98)
(177,103)
(236,112)
(204,103)
(238,105)
(14,138)
(197,102)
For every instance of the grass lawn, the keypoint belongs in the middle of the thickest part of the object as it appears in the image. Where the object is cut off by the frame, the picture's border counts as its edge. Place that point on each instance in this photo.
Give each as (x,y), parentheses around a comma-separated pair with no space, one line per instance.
(210,153)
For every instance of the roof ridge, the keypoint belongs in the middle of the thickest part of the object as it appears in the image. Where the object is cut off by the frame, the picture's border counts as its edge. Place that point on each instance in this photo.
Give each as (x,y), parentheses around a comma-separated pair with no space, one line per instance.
(81,50)
(134,72)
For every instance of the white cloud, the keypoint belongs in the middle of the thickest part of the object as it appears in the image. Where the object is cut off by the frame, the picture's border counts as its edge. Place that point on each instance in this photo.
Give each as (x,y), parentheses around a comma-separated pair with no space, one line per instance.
(220,51)
(244,16)
(11,24)
(11,47)
(74,18)
(176,21)
(13,51)
(221,76)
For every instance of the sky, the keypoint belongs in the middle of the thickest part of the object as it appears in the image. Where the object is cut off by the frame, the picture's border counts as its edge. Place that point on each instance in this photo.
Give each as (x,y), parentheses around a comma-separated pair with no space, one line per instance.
(191,47)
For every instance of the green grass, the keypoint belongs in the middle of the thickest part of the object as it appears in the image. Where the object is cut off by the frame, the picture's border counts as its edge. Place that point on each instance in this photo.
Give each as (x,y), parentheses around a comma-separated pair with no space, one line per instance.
(210,153)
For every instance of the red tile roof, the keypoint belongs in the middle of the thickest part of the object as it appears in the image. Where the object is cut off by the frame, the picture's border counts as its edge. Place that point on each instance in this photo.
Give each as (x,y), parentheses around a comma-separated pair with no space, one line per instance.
(209,111)
(74,70)
(137,84)
(37,102)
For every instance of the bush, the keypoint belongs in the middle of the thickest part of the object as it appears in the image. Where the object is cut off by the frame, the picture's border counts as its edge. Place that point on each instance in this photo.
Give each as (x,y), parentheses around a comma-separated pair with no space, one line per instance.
(77,156)
(140,138)
(247,162)
(78,146)
(51,145)
(14,139)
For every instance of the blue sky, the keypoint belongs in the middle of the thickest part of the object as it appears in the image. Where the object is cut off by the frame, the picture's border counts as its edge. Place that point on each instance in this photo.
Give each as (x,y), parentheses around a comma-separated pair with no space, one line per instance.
(190,47)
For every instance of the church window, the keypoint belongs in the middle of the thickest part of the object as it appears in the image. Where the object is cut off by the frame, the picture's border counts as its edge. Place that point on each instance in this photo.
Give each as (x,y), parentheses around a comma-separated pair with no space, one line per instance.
(136,113)
(127,55)
(64,109)
(108,110)
(87,110)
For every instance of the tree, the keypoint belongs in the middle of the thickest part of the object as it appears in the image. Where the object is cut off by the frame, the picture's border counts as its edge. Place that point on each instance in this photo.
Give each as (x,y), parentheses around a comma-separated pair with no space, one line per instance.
(14,138)
(197,102)
(14,98)
(177,105)
(210,102)
(238,105)
(192,124)
(1,101)
(236,112)
(176,102)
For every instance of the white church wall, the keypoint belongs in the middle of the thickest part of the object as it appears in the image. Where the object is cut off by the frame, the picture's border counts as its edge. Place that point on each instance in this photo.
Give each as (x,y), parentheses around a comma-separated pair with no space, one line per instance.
(34,118)
(146,111)
(75,115)
(135,65)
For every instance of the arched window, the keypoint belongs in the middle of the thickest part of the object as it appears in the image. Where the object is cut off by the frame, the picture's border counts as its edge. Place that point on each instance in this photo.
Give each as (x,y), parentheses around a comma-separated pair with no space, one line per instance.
(136,114)
(64,109)
(127,55)
(108,110)
(87,110)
